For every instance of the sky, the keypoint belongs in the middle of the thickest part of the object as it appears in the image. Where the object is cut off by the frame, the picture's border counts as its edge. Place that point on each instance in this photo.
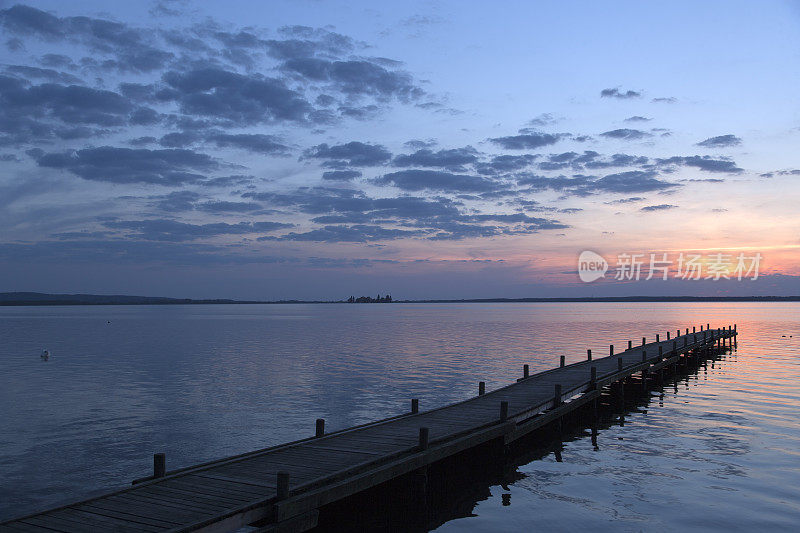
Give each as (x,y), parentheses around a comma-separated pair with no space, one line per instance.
(427,149)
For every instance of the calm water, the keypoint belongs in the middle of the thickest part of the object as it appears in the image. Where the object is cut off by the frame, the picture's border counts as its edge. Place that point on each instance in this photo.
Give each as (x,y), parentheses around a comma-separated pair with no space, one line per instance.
(201,382)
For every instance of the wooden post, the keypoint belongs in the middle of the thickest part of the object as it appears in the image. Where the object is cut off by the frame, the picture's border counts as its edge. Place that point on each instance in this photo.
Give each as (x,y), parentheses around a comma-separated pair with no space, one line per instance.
(283,485)
(503,411)
(668,335)
(658,338)
(321,426)
(630,345)
(423,438)
(557,395)
(481,388)
(678,333)
(414,406)
(693,330)
(644,341)
(687,331)
(611,349)
(589,355)
(525,371)
(159,465)
(563,361)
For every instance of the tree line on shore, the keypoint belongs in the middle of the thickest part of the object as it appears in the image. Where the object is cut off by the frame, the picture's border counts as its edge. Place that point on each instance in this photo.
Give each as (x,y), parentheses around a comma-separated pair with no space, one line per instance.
(370,300)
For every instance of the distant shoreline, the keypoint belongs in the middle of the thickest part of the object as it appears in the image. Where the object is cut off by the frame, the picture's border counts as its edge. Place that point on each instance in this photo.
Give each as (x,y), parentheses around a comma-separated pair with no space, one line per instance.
(28,299)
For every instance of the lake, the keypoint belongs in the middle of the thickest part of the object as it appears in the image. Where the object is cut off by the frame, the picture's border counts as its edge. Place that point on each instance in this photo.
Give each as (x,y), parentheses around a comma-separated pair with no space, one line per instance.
(201,382)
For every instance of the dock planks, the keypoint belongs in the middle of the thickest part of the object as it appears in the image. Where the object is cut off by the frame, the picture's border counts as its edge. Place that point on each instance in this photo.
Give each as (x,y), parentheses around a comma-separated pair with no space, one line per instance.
(229,493)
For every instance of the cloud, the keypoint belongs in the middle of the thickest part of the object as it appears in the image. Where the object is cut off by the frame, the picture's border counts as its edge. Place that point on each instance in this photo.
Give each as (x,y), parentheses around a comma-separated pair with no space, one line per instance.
(434,180)
(174,231)
(721,141)
(626,200)
(616,93)
(228,207)
(131,47)
(356,77)
(21,105)
(630,182)
(505,163)
(544,119)
(528,140)
(626,133)
(341,175)
(126,165)
(664,100)
(660,207)
(176,201)
(352,154)
(638,118)
(425,157)
(351,216)
(634,181)
(418,144)
(49,75)
(240,99)
(705,162)
(252,142)
(354,233)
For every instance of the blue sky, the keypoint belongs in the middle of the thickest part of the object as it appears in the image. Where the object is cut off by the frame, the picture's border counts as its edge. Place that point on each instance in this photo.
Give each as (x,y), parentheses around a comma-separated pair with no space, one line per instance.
(429,149)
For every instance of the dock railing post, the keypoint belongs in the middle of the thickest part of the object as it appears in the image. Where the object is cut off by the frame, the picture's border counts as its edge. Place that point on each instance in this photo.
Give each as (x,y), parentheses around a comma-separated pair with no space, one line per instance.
(503,411)
(481,388)
(589,355)
(320,427)
(644,341)
(526,371)
(630,344)
(668,335)
(424,433)
(611,349)
(658,337)
(414,406)
(283,485)
(563,361)
(159,465)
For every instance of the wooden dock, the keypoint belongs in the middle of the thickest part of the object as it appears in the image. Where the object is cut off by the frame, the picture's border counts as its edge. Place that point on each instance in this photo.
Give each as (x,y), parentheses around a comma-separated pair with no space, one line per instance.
(282,488)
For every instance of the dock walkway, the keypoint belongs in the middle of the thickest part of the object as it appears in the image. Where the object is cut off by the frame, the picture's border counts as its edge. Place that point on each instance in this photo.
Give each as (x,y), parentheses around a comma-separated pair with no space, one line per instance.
(284,486)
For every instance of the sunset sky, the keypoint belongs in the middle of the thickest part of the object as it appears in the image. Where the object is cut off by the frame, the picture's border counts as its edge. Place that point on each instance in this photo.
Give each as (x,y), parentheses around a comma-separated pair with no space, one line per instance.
(315,149)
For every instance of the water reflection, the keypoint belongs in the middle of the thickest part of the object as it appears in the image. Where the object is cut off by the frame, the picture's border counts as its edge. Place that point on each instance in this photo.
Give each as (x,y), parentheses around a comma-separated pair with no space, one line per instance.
(202,382)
